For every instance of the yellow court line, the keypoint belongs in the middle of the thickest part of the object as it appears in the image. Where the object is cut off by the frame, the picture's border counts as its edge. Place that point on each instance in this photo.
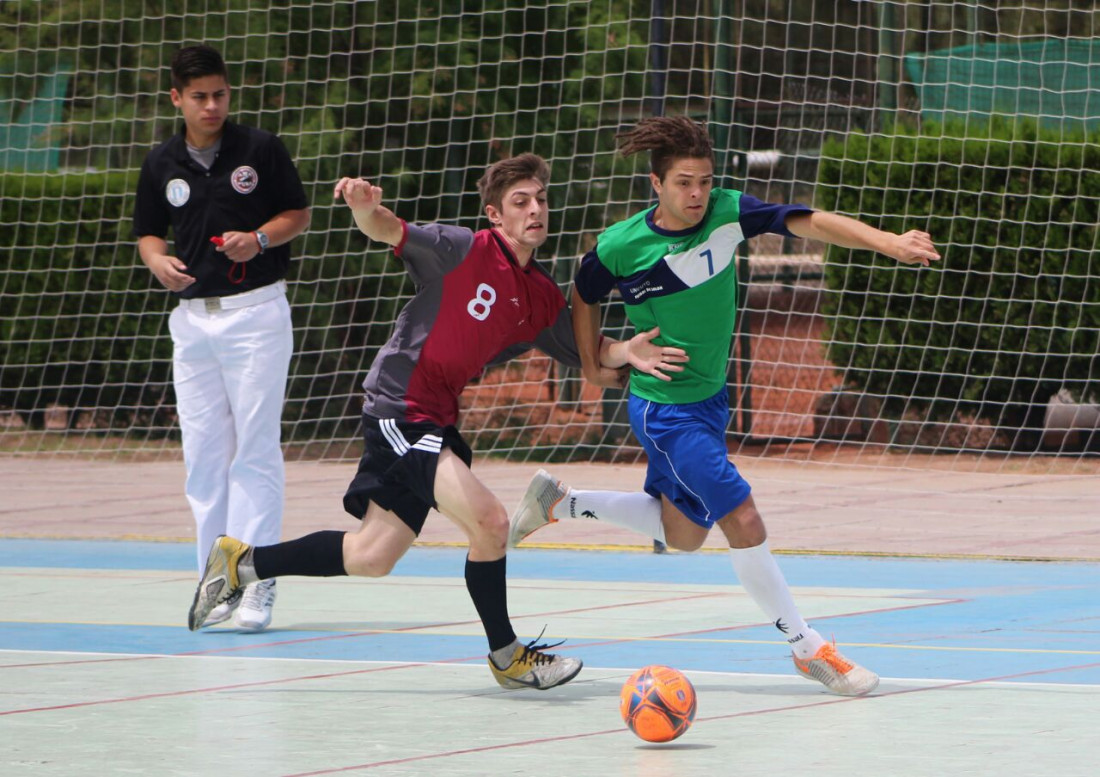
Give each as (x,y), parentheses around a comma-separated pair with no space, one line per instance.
(90,538)
(614,548)
(790,552)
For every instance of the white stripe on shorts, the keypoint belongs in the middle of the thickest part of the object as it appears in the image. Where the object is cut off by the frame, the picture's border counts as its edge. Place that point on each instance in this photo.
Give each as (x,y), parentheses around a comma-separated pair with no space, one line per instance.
(432,443)
(397,440)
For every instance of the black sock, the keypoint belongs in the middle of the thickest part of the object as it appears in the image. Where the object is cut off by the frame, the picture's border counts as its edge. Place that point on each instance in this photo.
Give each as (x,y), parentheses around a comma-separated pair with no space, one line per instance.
(486,581)
(320,554)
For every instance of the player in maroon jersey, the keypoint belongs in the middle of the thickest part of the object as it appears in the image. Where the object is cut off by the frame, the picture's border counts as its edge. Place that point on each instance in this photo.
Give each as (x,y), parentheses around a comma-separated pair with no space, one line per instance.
(480,299)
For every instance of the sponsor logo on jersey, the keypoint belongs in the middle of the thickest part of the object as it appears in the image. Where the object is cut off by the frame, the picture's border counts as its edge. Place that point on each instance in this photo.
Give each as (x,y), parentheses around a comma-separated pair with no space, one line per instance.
(244,179)
(642,289)
(178,192)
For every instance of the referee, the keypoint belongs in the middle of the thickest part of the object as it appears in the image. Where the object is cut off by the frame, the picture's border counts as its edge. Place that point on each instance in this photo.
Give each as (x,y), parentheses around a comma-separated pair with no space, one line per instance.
(234,201)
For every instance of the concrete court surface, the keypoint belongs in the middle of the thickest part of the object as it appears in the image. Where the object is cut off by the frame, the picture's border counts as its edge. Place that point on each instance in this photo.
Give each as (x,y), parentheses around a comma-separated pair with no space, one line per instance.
(989,667)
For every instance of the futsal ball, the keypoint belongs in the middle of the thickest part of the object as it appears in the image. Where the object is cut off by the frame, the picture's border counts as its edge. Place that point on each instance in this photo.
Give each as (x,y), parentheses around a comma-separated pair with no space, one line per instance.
(658,703)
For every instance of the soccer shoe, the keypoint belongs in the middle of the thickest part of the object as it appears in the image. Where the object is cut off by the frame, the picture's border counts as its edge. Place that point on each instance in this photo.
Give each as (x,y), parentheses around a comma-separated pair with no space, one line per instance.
(223,611)
(837,673)
(536,508)
(533,668)
(254,614)
(219,581)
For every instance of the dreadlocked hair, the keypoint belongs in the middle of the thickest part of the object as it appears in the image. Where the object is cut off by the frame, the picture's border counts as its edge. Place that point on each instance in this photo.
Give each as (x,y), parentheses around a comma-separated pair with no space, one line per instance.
(667,138)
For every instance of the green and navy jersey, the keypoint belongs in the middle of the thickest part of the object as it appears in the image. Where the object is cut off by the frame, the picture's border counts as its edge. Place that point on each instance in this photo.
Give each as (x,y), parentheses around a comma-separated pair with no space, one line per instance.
(683,281)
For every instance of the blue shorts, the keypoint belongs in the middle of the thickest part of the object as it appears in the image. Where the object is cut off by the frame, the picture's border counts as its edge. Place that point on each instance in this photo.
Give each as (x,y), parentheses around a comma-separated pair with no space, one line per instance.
(688,459)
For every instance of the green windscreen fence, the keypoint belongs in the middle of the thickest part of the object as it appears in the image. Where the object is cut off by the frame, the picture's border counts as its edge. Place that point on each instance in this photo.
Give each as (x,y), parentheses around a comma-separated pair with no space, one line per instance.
(29,123)
(1056,81)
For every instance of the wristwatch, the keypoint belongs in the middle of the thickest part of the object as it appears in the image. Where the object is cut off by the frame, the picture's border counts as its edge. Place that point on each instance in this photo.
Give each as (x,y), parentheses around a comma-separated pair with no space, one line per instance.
(262,239)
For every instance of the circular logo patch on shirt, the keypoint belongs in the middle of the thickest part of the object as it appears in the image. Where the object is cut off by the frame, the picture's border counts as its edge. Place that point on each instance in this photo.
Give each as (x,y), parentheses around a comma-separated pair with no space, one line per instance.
(178,192)
(244,179)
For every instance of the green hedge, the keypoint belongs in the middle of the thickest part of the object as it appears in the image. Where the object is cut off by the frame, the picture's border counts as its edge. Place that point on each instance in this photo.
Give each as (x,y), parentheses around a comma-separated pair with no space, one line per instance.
(80,324)
(1011,314)
(84,325)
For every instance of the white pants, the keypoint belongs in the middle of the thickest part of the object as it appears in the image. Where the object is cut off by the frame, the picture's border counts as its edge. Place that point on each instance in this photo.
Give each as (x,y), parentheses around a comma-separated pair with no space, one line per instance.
(230,371)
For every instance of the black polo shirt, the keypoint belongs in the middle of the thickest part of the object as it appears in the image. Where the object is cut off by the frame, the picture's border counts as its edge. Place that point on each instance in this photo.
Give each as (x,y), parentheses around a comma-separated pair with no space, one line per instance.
(251,180)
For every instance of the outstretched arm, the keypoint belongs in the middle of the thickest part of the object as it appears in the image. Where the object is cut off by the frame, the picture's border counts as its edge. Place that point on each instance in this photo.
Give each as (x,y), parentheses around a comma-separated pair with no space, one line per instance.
(365,200)
(643,355)
(913,247)
(603,359)
(586,331)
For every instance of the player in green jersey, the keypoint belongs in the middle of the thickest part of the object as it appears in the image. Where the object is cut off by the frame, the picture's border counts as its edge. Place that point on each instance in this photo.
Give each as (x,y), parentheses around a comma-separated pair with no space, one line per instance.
(674,265)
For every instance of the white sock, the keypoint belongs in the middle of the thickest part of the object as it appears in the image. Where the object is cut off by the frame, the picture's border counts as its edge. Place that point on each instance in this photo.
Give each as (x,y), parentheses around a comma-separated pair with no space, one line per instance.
(634,510)
(502,657)
(246,569)
(760,576)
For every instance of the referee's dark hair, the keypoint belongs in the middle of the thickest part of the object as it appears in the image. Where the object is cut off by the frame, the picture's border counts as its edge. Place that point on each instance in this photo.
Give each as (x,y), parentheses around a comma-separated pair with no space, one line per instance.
(193,62)
(667,138)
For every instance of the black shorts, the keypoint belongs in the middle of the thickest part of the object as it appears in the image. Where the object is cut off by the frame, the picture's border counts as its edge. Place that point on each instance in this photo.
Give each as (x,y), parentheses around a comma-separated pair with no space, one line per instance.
(397,469)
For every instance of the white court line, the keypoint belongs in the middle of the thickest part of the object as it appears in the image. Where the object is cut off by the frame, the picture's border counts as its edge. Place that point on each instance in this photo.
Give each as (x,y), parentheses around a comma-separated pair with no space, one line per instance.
(918,681)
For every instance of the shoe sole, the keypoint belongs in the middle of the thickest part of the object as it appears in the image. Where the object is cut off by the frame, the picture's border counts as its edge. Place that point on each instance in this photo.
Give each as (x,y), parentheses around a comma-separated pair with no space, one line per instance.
(201,606)
(852,694)
(530,501)
(210,621)
(196,617)
(229,613)
(252,628)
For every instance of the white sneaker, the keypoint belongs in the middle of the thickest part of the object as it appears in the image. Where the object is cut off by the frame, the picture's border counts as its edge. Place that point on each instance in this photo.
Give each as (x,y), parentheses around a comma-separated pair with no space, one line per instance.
(536,509)
(533,667)
(254,612)
(223,611)
(837,673)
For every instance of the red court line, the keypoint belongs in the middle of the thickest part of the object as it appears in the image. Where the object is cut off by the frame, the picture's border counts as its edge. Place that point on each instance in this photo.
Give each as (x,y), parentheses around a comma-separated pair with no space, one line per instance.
(232,687)
(39,664)
(671,635)
(408,629)
(731,716)
(360,634)
(351,672)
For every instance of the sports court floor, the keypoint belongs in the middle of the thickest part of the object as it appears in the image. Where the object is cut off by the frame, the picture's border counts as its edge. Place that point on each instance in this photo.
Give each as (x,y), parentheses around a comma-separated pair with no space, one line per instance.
(989,668)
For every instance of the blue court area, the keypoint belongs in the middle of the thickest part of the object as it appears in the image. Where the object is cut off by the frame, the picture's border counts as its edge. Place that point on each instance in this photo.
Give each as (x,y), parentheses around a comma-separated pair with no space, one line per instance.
(988,667)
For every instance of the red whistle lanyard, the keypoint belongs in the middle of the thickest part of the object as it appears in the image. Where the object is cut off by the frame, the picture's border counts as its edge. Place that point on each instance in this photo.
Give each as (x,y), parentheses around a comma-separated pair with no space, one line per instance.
(234,276)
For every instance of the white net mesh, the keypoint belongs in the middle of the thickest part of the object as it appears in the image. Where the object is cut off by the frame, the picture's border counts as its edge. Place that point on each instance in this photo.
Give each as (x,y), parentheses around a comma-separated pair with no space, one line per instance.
(422,96)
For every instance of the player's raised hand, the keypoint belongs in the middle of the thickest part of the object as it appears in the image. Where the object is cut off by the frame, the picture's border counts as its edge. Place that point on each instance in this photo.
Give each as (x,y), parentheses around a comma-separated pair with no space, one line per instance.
(914,247)
(646,356)
(360,195)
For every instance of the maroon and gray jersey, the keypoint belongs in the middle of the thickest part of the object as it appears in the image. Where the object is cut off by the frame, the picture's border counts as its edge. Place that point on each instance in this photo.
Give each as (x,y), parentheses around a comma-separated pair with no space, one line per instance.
(474,306)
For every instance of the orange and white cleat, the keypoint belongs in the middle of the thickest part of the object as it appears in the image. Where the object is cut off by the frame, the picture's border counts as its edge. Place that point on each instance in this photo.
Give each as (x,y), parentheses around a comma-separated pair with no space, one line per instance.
(836,672)
(536,509)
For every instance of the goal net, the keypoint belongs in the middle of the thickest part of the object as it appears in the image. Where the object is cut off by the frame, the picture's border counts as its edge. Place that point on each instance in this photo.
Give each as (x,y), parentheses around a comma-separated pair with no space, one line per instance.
(974,121)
